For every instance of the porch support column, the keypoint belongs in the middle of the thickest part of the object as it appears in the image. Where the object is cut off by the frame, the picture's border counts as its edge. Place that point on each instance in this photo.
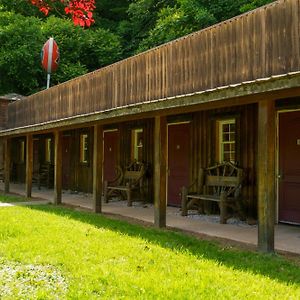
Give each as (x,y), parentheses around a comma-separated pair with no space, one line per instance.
(29,164)
(97,168)
(160,171)
(57,167)
(266,175)
(7,159)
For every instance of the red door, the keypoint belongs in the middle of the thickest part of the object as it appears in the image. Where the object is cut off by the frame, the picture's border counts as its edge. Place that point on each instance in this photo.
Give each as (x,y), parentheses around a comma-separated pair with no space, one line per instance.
(111,142)
(289,167)
(178,160)
(66,162)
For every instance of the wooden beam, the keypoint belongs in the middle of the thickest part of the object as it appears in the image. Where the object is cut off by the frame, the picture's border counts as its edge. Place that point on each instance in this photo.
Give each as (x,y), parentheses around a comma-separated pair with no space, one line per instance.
(266,175)
(57,167)
(29,164)
(7,158)
(160,171)
(97,168)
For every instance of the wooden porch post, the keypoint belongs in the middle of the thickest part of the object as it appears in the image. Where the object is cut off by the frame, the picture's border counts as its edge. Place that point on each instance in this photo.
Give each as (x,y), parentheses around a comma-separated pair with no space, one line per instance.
(160,171)
(29,164)
(266,175)
(7,158)
(97,168)
(57,166)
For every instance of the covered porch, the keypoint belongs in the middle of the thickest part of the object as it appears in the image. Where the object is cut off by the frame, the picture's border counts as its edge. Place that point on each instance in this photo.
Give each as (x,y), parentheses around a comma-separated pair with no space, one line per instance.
(287,237)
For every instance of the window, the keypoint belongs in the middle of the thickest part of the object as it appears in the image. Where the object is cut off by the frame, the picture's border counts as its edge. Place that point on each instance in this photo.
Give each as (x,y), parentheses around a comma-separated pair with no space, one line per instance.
(84,143)
(22,152)
(137,144)
(226,137)
(48,150)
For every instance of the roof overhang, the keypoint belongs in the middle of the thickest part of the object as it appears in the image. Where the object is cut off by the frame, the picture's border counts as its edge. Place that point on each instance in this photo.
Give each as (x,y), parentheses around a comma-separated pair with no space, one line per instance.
(224,96)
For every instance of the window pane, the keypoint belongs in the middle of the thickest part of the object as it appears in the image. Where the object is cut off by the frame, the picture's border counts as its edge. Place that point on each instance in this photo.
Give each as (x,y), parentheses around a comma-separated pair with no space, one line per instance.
(227,147)
(225,127)
(226,137)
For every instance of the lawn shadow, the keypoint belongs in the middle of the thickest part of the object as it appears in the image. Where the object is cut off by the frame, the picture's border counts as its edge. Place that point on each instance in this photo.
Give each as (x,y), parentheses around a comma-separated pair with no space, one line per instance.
(272,266)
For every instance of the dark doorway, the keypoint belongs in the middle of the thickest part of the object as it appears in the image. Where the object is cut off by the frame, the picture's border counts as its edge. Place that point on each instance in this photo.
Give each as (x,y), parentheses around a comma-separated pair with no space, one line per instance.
(289,167)
(178,160)
(66,162)
(111,142)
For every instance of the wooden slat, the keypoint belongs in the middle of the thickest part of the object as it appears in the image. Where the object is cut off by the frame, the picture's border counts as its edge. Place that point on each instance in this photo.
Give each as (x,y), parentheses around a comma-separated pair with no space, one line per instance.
(221,181)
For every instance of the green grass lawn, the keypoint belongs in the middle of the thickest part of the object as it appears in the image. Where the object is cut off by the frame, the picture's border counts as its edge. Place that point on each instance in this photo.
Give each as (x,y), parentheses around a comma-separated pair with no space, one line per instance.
(51,252)
(12,199)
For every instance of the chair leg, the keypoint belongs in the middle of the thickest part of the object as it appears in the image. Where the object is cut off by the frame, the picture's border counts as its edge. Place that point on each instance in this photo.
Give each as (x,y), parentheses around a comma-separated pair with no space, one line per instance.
(105,192)
(128,193)
(184,211)
(223,208)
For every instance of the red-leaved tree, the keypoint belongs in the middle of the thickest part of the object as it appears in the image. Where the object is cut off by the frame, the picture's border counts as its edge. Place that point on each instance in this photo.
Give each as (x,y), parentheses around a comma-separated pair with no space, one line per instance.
(80,10)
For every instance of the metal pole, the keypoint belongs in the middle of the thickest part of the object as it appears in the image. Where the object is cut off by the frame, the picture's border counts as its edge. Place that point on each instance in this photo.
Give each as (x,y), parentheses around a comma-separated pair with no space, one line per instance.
(48,80)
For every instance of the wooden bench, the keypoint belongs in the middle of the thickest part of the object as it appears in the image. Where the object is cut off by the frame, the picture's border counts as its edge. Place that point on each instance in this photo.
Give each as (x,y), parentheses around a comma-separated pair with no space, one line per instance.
(43,175)
(127,181)
(221,183)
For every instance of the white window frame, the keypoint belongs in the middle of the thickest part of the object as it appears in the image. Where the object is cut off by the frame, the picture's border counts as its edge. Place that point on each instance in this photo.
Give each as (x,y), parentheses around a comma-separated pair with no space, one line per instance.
(84,147)
(48,150)
(232,152)
(136,144)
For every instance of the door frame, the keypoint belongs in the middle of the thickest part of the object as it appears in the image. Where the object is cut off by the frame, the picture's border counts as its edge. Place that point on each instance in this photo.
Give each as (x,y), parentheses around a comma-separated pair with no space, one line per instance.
(168,170)
(277,159)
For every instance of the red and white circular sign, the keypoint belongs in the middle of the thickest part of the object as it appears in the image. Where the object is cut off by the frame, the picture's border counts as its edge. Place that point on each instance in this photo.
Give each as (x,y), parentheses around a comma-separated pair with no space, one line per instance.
(50,56)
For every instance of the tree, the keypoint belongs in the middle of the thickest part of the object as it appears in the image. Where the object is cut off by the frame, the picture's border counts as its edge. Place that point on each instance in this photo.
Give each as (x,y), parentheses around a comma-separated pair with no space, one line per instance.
(252,4)
(173,22)
(87,49)
(80,10)
(21,40)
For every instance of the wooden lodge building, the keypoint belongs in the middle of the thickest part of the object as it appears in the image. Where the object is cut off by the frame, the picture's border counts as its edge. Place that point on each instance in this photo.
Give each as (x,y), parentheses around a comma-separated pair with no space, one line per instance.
(230,92)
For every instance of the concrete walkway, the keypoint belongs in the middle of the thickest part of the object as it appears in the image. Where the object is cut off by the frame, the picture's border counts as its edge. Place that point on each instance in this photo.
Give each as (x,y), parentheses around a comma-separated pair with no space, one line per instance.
(287,237)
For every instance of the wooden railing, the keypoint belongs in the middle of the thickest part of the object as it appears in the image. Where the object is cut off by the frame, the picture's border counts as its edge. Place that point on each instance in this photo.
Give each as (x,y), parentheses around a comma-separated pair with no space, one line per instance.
(255,45)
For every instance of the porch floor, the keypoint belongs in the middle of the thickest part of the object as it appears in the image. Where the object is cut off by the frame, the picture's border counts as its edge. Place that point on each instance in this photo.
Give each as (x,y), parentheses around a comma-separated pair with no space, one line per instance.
(287,237)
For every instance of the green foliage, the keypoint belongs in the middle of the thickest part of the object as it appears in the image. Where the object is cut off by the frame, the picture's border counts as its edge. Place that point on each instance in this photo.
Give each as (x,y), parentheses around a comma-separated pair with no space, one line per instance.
(20,39)
(223,9)
(101,48)
(65,254)
(142,17)
(81,50)
(250,5)
(22,7)
(174,22)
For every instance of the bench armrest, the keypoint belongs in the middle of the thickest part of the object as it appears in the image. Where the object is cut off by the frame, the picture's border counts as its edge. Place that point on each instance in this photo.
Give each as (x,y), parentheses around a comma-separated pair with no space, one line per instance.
(118,179)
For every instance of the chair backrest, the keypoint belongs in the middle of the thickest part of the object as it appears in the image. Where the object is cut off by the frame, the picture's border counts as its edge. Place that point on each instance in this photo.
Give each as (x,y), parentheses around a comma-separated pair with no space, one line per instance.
(134,172)
(224,177)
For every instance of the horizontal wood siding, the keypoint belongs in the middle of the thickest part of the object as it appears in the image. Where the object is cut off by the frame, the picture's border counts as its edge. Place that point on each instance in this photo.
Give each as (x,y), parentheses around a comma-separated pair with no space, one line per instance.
(255,45)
